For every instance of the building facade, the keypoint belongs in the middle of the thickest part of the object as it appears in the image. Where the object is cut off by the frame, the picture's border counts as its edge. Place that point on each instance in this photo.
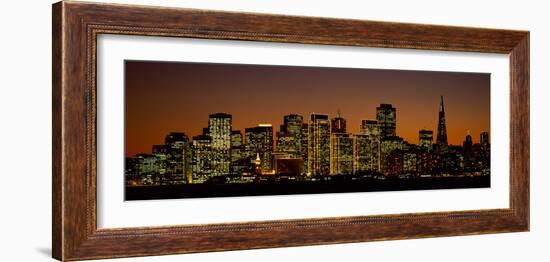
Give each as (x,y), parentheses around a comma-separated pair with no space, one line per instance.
(304,144)
(160,152)
(290,135)
(259,144)
(370,128)
(202,158)
(388,145)
(425,139)
(341,147)
(238,156)
(341,154)
(366,153)
(178,157)
(386,116)
(219,130)
(318,145)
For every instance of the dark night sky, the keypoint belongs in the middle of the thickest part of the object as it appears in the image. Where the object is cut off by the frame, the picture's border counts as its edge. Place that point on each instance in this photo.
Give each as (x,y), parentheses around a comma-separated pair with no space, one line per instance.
(163,97)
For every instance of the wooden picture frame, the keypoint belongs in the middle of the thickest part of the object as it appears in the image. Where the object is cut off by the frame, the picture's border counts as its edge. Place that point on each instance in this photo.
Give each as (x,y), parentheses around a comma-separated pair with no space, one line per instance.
(76,26)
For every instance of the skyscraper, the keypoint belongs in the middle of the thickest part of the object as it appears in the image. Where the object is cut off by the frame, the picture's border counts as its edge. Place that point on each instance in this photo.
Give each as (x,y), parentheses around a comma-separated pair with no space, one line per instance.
(387,146)
(161,153)
(425,139)
(467,146)
(386,117)
(366,153)
(442,128)
(202,158)
(286,143)
(468,142)
(259,144)
(289,136)
(219,129)
(178,157)
(318,145)
(304,144)
(293,123)
(341,147)
(366,147)
(370,127)
(238,163)
(341,154)
(338,124)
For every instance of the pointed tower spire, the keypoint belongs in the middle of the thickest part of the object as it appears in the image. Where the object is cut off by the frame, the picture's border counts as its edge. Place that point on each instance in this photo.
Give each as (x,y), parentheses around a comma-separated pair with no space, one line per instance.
(442,128)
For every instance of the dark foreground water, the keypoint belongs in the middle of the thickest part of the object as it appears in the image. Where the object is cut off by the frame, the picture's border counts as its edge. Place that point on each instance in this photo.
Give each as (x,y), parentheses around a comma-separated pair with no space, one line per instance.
(288,188)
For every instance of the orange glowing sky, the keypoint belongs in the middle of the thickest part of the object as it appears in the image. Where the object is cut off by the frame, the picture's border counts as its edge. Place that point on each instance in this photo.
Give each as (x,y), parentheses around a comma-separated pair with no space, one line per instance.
(163,97)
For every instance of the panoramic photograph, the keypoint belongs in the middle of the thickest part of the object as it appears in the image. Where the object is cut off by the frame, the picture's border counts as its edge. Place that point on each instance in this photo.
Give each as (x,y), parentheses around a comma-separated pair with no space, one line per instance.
(196,130)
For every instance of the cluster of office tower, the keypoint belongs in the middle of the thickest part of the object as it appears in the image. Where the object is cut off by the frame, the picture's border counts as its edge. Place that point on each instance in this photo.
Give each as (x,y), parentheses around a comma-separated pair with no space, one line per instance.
(306,147)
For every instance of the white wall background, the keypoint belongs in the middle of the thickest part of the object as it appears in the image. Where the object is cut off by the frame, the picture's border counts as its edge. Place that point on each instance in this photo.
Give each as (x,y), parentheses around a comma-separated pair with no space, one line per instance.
(25,129)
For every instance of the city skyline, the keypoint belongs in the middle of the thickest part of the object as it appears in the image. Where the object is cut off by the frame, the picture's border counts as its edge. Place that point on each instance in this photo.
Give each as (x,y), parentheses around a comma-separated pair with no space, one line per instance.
(305,150)
(466,111)
(275,128)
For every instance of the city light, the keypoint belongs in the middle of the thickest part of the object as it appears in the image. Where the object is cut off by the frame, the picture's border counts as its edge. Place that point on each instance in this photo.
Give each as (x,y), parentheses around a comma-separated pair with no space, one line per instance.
(313,148)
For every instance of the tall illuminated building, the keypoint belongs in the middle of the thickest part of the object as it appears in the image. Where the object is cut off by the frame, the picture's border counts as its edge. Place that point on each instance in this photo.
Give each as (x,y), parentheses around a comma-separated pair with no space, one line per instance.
(366,154)
(238,163)
(366,147)
(341,154)
(289,136)
(425,139)
(387,146)
(386,117)
(286,143)
(161,154)
(219,129)
(341,147)
(318,145)
(442,128)
(304,144)
(202,158)
(259,146)
(178,157)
